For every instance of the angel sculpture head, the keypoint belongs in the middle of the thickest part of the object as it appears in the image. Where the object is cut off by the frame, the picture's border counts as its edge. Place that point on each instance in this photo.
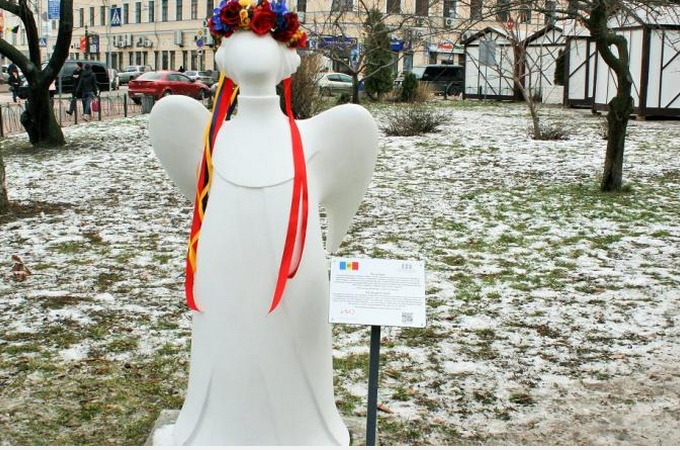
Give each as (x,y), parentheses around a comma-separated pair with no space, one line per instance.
(258,42)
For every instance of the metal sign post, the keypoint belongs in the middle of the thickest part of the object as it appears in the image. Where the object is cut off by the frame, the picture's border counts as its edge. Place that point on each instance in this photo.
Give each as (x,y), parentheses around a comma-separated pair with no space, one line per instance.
(373,372)
(376,292)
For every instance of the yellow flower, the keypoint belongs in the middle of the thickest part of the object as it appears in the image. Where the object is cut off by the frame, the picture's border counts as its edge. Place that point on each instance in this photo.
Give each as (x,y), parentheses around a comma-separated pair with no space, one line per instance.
(245,20)
(244,3)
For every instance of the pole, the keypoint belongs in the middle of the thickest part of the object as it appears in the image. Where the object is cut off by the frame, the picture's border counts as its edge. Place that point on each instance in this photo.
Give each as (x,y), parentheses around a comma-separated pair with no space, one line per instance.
(87,44)
(373,369)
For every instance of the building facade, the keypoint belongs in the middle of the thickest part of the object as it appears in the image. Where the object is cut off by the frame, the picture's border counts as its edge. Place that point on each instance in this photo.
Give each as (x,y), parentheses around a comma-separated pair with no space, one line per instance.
(167,34)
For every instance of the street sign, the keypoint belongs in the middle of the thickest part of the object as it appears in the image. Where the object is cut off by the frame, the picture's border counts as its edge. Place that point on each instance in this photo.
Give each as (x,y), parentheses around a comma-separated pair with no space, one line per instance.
(377,292)
(199,52)
(53,9)
(43,42)
(116,16)
(199,42)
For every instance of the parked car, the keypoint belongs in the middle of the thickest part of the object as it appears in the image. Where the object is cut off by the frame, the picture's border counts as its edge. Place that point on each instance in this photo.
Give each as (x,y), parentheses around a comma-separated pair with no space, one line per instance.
(164,83)
(335,83)
(446,79)
(65,77)
(132,72)
(417,71)
(203,76)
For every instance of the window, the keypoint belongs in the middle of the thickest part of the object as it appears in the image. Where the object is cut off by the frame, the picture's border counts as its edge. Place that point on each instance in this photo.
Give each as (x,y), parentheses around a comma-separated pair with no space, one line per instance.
(209,5)
(342,5)
(164,10)
(178,9)
(91,16)
(102,15)
(81,16)
(138,12)
(393,6)
(126,13)
(302,5)
(476,9)
(194,9)
(421,7)
(502,10)
(152,11)
(549,12)
(450,8)
(525,12)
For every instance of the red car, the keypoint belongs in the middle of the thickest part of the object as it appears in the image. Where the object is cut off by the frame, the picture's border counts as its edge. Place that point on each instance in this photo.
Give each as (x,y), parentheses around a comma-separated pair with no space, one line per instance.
(164,83)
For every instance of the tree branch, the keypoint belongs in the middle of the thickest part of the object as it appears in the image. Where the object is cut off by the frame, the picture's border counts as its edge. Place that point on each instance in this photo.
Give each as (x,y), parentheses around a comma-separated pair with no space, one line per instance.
(10,7)
(63,42)
(32,37)
(14,55)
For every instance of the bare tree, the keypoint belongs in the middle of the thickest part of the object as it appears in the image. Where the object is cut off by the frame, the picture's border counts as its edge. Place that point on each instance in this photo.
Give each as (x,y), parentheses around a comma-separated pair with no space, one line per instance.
(38,119)
(597,16)
(341,33)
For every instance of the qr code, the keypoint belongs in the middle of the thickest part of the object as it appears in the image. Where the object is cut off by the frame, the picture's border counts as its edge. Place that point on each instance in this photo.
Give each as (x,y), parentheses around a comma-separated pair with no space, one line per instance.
(406,317)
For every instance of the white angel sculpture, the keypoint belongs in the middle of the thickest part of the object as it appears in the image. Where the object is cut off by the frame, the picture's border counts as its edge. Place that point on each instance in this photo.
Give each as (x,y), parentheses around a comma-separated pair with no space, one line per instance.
(261,377)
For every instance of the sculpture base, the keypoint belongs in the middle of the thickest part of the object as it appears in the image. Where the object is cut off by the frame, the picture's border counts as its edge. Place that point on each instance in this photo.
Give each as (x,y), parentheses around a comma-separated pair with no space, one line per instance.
(161,433)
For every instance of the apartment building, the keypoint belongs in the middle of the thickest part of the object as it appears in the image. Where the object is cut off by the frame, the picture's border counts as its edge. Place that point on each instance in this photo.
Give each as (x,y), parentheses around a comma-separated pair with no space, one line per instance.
(167,34)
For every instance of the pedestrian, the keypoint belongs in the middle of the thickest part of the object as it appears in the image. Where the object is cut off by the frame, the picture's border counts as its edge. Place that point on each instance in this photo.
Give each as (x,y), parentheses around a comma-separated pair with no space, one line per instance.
(76,78)
(181,69)
(14,80)
(87,89)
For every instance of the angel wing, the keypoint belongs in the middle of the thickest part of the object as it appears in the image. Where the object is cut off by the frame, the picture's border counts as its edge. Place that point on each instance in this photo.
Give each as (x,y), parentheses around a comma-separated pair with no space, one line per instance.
(176,127)
(343,168)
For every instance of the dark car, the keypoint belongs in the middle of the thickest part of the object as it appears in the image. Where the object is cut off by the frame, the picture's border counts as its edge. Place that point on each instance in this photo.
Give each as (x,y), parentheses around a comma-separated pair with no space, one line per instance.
(444,78)
(164,83)
(65,77)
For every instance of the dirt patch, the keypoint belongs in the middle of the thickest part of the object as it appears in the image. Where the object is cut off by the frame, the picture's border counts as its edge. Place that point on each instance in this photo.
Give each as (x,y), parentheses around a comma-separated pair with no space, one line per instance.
(28,209)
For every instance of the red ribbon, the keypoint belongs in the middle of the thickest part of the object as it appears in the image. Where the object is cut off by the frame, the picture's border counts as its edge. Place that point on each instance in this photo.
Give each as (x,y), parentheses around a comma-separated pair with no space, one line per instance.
(290,260)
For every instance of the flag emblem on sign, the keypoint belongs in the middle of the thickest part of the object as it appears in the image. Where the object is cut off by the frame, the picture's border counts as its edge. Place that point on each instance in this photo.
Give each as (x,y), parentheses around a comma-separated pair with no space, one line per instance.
(349,265)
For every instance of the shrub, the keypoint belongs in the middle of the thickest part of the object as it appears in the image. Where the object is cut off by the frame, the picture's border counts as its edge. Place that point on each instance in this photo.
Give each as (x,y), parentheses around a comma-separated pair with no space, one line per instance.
(424,92)
(413,121)
(550,132)
(305,98)
(408,88)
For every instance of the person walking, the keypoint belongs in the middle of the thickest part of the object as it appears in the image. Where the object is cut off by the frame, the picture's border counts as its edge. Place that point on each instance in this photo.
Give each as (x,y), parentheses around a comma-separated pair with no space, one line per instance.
(76,78)
(87,90)
(14,80)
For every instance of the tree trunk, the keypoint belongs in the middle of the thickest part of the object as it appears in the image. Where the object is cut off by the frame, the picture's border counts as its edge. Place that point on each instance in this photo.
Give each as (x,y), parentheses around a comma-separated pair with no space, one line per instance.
(355,88)
(4,200)
(39,121)
(620,109)
(621,106)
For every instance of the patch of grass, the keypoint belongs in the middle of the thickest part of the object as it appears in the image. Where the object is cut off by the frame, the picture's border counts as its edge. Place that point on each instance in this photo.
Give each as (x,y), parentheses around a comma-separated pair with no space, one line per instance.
(70,247)
(351,362)
(122,345)
(521,398)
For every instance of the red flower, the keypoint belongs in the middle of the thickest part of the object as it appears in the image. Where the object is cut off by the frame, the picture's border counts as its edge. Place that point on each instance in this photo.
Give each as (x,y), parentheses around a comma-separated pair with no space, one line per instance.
(302,43)
(263,20)
(292,22)
(292,25)
(230,14)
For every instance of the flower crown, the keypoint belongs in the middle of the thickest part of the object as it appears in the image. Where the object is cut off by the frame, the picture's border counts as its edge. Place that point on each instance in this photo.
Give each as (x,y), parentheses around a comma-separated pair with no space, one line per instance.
(259,17)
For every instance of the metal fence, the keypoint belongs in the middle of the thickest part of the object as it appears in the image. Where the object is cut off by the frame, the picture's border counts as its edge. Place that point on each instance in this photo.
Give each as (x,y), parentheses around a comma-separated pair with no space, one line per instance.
(111,106)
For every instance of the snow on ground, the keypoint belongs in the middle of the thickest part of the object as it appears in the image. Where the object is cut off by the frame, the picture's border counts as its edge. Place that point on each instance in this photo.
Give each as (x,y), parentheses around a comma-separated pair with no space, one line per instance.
(552,308)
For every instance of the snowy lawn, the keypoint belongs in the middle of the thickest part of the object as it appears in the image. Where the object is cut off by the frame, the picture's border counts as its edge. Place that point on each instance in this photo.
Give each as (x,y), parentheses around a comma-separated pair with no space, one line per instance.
(553,309)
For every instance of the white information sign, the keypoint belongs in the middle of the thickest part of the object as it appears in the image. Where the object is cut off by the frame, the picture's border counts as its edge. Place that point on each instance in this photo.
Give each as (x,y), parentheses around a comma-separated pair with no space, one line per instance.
(377,292)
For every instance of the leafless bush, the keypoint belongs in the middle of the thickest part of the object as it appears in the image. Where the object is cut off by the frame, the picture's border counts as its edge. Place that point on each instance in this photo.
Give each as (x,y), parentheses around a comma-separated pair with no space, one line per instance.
(305,98)
(413,121)
(550,132)
(424,92)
